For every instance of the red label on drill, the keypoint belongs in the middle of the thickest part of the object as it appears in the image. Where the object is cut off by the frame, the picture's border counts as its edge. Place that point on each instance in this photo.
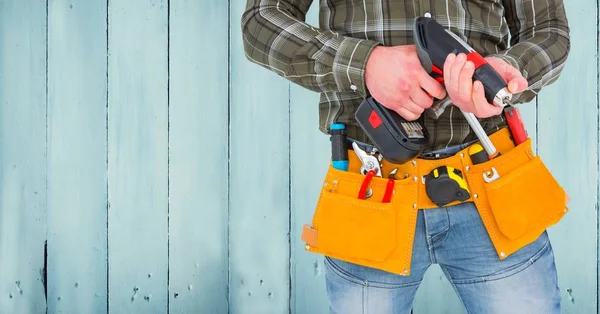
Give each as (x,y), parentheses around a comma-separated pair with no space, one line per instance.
(374,120)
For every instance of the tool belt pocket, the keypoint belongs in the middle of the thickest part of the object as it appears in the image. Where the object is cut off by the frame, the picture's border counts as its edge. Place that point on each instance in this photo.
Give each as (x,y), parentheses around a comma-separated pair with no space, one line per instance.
(362,231)
(354,228)
(524,198)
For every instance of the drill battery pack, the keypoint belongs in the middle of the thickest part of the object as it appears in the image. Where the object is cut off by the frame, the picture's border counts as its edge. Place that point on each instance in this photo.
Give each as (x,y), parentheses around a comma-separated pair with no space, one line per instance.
(397,139)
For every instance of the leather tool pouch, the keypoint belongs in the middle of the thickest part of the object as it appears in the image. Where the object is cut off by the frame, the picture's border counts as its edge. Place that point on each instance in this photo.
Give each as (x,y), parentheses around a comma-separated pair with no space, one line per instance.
(366,232)
(516,207)
(521,202)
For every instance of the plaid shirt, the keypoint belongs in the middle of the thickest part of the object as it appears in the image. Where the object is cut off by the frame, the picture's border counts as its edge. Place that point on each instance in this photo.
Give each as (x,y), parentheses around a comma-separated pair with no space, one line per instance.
(331,59)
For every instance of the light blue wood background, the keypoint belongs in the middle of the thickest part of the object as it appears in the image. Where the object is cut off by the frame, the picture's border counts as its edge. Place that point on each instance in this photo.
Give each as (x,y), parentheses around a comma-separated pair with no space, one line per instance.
(146,166)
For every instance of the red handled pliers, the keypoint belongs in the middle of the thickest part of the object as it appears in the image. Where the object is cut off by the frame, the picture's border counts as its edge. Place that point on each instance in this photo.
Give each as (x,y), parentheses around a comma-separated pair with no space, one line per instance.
(363,193)
(371,168)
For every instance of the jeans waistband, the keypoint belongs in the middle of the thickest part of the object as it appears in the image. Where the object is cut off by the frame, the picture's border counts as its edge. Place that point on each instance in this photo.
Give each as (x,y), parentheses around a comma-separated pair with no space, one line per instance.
(446,151)
(434,154)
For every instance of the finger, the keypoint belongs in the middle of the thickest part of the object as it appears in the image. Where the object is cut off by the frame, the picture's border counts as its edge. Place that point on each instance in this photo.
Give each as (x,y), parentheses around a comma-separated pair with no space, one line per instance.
(517,84)
(447,68)
(407,114)
(465,84)
(455,70)
(515,80)
(483,109)
(411,106)
(431,86)
(421,98)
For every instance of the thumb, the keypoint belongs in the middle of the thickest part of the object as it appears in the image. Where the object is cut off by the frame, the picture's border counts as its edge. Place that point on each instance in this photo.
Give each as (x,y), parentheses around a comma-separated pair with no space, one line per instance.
(517,84)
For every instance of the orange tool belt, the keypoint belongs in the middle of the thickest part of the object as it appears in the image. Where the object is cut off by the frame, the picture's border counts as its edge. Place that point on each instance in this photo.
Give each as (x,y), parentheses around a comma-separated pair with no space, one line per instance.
(515,208)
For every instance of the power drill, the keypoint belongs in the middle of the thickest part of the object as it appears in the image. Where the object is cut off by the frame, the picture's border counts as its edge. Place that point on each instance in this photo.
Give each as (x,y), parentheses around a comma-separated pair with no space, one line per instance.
(399,140)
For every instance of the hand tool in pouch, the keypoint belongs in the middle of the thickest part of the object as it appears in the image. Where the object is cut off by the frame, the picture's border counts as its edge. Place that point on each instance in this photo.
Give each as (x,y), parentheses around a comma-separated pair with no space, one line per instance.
(339,152)
(446,184)
(370,167)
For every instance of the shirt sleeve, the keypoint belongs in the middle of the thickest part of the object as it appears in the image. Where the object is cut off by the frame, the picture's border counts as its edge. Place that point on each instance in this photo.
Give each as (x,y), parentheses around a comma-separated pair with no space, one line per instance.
(276,37)
(539,43)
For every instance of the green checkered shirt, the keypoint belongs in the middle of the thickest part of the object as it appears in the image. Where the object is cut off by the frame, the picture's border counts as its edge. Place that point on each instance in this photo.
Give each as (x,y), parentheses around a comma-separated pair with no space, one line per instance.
(532,35)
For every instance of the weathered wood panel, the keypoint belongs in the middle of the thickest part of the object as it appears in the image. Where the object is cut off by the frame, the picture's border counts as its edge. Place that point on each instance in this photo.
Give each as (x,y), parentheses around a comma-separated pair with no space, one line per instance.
(77,248)
(138,156)
(259,187)
(22,156)
(198,152)
(310,154)
(568,144)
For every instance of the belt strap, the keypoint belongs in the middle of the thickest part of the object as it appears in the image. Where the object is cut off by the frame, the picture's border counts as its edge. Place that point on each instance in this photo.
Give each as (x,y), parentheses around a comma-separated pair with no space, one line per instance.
(438,154)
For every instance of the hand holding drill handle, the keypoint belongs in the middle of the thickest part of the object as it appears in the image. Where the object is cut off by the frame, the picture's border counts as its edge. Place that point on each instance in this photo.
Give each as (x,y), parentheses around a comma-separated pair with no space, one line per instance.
(395,77)
(469,95)
(403,79)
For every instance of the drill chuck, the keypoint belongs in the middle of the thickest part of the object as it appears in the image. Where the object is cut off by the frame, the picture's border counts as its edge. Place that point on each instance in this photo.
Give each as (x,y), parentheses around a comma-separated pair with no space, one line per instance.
(503,98)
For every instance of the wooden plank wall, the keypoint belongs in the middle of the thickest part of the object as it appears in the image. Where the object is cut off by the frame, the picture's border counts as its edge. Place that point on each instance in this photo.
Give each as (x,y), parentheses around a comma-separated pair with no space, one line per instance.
(147,166)
(76,157)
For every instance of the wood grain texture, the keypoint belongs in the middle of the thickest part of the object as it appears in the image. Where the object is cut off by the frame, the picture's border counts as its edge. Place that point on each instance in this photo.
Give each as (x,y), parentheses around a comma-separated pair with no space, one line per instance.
(22,156)
(310,154)
(138,156)
(568,145)
(259,187)
(198,138)
(77,248)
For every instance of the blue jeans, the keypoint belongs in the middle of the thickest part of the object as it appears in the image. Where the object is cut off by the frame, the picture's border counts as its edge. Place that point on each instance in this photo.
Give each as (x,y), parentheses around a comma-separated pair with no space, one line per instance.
(455,238)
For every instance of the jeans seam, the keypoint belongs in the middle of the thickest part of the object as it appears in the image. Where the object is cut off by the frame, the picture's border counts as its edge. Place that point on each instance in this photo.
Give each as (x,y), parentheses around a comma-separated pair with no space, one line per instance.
(348,277)
(445,232)
(510,272)
(430,248)
(364,297)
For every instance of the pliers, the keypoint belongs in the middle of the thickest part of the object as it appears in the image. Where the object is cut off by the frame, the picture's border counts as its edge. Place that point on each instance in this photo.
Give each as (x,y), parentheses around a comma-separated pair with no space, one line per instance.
(389,188)
(371,168)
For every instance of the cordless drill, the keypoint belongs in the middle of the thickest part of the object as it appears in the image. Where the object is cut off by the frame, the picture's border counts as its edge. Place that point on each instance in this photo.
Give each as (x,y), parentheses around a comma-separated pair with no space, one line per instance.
(399,140)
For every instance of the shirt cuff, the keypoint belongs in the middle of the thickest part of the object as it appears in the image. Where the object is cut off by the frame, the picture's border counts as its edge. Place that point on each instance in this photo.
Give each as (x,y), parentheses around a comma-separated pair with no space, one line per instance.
(350,62)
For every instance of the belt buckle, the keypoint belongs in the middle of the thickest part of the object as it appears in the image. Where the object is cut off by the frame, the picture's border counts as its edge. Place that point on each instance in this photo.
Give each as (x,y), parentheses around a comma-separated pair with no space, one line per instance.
(435,155)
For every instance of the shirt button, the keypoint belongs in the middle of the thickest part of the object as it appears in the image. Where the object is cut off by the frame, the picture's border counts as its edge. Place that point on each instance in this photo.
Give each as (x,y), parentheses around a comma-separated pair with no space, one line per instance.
(353,87)
(427,14)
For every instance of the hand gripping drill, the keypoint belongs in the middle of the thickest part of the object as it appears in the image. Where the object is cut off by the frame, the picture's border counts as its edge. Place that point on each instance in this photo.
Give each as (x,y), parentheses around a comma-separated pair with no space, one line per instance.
(399,140)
